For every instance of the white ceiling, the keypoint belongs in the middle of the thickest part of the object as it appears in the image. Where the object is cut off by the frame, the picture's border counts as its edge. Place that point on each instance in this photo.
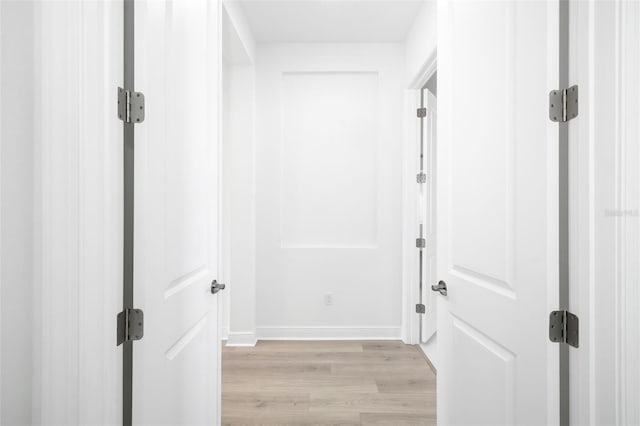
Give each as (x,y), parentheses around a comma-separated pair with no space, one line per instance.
(328,21)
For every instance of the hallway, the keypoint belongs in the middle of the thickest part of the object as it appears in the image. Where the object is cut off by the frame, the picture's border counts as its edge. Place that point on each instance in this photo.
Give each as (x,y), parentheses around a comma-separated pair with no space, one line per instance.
(320,382)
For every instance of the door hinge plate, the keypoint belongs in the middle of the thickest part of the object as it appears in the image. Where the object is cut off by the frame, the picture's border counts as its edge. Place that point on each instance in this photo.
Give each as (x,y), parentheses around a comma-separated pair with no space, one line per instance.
(420,308)
(563,104)
(421,177)
(564,328)
(130,106)
(130,325)
(422,112)
(421,243)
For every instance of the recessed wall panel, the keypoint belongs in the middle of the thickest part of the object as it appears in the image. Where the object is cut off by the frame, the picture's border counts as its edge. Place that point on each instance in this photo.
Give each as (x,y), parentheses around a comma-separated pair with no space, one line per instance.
(328,159)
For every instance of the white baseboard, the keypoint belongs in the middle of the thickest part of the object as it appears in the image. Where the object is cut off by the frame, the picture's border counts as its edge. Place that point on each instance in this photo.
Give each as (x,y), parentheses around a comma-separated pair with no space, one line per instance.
(241,339)
(224,333)
(329,333)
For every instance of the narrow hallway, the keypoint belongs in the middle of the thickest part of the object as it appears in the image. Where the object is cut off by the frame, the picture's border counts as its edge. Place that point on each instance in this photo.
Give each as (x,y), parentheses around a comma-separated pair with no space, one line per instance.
(320,382)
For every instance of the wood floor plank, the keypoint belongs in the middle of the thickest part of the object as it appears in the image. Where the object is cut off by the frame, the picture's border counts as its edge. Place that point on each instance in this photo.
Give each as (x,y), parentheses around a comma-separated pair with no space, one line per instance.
(421,384)
(396,419)
(327,383)
(404,369)
(247,419)
(373,403)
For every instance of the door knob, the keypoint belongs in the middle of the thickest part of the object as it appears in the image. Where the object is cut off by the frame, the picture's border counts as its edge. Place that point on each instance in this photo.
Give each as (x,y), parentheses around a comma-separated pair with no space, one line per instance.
(216,287)
(440,288)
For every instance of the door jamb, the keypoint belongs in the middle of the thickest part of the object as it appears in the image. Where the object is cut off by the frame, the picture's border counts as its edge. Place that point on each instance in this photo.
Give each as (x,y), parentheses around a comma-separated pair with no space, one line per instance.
(410,329)
(128,208)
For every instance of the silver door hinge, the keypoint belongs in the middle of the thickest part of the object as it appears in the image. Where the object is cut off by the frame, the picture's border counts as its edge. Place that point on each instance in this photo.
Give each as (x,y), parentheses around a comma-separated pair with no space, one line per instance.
(422,112)
(564,328)
(421,177)
(420,308)
(563,104)
(421,242)
(130,325)
(130,106)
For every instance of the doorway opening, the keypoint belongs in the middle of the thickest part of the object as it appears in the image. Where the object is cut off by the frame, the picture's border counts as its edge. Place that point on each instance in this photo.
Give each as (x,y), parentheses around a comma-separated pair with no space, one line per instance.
(319,212)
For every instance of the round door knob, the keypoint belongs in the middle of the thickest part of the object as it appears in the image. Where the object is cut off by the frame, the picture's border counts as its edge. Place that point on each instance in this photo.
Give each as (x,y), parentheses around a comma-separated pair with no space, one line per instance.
(216,287)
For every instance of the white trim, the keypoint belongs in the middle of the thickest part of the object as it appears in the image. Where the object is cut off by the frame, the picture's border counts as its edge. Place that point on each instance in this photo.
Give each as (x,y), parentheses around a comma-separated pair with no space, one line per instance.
(242,339)
(1,257)
(329,333)
(77,224)
(426,71)
(409,221)
(410,330)
(214,14)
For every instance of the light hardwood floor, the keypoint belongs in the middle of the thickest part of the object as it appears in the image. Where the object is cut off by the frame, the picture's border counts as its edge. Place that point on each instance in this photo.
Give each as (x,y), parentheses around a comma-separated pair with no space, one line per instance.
(327,383)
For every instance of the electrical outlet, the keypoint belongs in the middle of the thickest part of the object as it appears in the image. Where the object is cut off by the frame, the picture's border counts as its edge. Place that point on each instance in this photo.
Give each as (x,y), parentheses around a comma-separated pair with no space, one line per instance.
(328,299)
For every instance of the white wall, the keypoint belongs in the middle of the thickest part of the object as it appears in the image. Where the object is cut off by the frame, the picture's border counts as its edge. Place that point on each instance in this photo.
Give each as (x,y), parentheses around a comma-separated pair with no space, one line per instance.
(239,195)
(238,42)
(329,197)
(17,201)
(421,43)
(238,189)
(225,201)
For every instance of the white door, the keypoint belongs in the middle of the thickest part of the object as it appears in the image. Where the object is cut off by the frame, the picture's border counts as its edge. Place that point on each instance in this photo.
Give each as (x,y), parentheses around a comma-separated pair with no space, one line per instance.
(497,212)
(176,365)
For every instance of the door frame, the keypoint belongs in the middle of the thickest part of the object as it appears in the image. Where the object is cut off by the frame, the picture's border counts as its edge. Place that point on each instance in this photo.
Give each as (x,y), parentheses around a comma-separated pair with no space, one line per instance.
(410,283)
(77,281)
(601,379)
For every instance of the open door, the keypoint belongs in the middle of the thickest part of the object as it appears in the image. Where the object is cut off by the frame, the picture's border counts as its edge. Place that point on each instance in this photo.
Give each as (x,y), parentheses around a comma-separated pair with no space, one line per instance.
(497,212)
(176,366)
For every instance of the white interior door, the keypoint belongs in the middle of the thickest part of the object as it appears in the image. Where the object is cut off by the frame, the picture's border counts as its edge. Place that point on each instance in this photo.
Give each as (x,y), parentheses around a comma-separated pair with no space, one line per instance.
(176,364)
(497,212)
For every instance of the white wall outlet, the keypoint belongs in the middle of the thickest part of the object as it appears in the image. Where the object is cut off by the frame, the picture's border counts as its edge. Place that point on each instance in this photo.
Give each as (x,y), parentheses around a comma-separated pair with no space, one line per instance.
(328,299)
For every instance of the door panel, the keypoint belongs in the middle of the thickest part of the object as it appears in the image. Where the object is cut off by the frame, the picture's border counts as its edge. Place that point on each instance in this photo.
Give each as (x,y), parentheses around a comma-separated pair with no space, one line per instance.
(497,212)
(176,364)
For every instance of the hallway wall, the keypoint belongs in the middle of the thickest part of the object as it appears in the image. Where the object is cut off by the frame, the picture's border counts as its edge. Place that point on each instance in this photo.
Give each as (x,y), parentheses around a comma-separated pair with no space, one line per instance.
(238,180)
(239,203)
(328,184)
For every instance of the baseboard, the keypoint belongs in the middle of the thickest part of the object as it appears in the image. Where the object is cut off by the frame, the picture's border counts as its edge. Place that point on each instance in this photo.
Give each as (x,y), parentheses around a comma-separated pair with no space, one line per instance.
(241,339)
(225,333)
(329,333)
